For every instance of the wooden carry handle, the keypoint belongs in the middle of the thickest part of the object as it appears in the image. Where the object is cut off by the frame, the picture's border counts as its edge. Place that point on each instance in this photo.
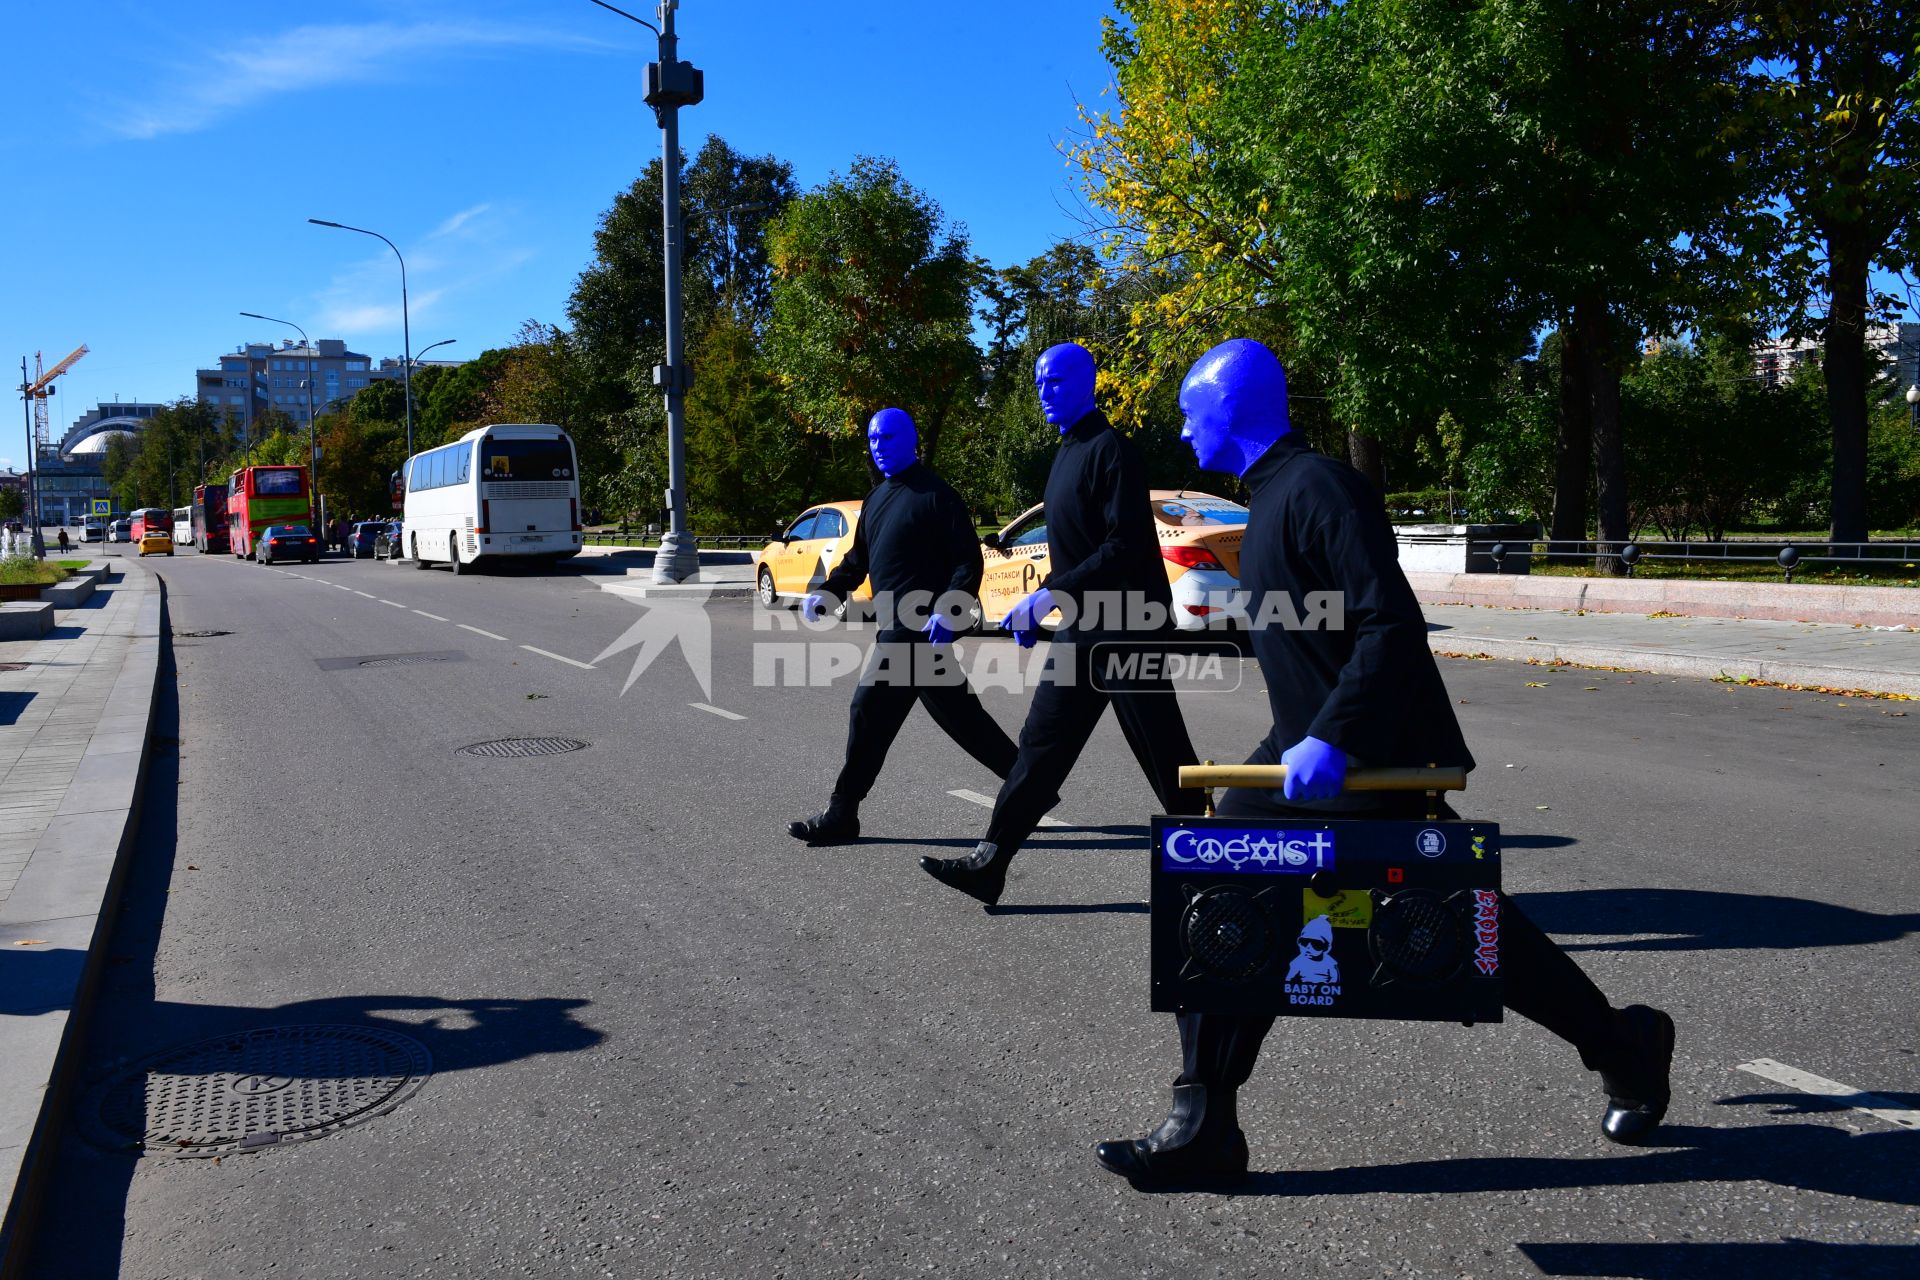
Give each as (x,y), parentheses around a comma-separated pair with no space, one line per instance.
(1271,777)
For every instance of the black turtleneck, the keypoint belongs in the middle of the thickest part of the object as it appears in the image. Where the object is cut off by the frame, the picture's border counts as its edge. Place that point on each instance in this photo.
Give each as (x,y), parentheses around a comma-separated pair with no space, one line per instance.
(914,534)
(1372,688)
(1100,534)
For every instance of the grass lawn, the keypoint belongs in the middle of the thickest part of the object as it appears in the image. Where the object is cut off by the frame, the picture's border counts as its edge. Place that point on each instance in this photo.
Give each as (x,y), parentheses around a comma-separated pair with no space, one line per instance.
(1884,573)
(27,573)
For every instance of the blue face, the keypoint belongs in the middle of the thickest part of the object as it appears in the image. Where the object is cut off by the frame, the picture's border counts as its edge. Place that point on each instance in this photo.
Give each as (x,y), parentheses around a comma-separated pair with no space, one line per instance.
(1207,430)
(893,440)
(1234,403)
(1064,375)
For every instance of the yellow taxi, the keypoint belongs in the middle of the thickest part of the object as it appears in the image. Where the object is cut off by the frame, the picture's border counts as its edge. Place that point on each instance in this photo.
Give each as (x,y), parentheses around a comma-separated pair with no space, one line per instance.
(800,559)
(157,541)
(1199,541)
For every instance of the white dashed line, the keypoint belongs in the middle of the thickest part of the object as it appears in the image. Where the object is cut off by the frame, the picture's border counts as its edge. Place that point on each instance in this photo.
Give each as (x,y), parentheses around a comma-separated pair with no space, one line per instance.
(1856,1099)
(337,587)
(477,631)
(423,613)
(986,802)
(363,593)
(559,657)
(395,603)
(722,712)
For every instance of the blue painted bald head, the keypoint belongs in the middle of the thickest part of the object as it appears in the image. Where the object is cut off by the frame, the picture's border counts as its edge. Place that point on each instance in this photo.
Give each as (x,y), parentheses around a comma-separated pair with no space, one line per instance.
(1063,375)
(893,440)
(1234,400)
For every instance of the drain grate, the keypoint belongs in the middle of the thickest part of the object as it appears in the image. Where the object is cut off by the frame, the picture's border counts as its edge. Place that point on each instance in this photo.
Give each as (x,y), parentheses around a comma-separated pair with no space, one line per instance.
(402,662)
(201,635)
(521,748)
(258,1089)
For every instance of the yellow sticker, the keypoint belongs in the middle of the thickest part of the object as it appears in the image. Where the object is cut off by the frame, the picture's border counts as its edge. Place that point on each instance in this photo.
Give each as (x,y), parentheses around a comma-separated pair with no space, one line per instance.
(1346,909)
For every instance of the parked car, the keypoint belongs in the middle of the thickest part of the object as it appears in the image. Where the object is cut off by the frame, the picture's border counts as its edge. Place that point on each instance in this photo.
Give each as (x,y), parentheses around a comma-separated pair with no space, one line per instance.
(388,544)
(359,541)
(287,542)
(120,531)
(799,560)
(1199,541)
(159,540)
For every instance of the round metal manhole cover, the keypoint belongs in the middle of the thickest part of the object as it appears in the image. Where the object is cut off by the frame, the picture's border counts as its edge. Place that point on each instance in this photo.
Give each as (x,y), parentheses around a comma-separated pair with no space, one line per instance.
(200,635)
(258,1089)
(401,662)
(521,748)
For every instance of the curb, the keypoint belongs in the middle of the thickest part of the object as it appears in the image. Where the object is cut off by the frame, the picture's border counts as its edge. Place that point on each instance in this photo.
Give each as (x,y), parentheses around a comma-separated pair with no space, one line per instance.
(1667,663)
(96,880)
(1808,602)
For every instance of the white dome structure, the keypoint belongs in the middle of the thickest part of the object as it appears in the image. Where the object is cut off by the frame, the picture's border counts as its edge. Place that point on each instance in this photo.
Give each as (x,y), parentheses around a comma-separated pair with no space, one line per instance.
(95,437)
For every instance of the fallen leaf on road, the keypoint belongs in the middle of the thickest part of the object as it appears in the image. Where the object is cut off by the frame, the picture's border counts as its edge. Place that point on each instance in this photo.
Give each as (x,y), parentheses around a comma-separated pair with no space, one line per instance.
(1543,807)
(29,942)
(1664,613)
(532,696)
(191,867)
(1593,688)
(1536,684)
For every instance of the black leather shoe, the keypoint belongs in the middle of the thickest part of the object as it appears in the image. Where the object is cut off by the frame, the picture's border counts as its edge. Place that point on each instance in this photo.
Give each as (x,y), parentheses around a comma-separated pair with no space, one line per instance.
(1198,1145)
(1636,1081)
(826,828)
(982,876)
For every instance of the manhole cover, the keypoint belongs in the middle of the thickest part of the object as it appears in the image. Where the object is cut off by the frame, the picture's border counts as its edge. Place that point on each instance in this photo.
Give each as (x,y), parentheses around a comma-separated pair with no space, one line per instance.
(201,635)
(520,748)
(400,662)
(13,666)
(258,1089)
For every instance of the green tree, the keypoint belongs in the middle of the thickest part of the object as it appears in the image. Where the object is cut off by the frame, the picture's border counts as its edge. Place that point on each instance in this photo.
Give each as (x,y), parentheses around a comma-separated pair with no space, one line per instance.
(12,504)
(872,296)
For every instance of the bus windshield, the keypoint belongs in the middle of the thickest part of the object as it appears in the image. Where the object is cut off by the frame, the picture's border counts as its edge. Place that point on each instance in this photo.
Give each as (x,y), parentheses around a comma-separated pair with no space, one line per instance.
(526,460)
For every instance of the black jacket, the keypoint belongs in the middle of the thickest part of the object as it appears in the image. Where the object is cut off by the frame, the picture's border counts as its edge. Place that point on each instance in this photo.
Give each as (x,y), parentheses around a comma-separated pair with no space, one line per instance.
(1372,687)
(1100,534)
(914,534)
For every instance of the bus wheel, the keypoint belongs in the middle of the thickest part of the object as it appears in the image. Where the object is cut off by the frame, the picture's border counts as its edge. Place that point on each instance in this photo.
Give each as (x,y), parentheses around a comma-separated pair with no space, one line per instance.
(418,563)
(453,556)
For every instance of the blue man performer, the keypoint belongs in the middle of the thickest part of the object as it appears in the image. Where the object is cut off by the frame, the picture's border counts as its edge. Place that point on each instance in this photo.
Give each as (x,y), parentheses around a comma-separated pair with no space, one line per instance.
(1367,693)
(1101,544)
(916,541)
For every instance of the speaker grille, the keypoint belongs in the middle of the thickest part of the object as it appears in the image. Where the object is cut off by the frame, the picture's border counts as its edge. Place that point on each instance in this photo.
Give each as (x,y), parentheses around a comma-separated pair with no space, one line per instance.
(1416,938)
(1227,934)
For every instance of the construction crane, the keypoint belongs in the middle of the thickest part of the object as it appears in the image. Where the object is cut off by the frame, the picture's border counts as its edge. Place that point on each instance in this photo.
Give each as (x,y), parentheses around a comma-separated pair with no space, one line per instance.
(39,389)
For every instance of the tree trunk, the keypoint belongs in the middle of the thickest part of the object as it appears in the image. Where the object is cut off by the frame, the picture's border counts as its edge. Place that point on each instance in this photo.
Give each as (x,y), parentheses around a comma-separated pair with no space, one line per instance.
(1573,450)
(1846,369)
(1363,451)
(1609,450)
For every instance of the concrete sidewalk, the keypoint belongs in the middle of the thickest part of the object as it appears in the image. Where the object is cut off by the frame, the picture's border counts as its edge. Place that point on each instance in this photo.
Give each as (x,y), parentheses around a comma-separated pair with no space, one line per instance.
(1827,655)
(74,724)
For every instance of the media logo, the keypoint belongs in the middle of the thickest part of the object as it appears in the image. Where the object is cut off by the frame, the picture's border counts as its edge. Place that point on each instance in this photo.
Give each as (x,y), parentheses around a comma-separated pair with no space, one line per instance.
(1256,851)
(1431,842)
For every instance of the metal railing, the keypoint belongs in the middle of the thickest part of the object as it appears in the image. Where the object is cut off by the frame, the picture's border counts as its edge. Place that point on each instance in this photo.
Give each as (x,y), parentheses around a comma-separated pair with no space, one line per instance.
(641,538)
(1788,554)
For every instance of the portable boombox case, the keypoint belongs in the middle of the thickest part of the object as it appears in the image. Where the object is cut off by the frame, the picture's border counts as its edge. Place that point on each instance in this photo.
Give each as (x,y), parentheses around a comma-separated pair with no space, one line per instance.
(1331,919)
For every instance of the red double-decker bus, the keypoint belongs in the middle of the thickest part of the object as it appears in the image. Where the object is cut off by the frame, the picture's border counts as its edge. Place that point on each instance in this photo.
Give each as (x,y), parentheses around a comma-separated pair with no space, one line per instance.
(209,518)
(262,496)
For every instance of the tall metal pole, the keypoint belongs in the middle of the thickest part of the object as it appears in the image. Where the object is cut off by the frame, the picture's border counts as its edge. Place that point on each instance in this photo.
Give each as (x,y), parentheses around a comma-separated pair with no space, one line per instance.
(406,325)
(32,508)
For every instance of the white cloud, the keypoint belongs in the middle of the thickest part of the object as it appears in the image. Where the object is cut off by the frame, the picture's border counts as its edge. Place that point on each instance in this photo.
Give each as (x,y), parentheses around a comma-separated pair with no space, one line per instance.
(464,250)
(458,221)
(226,79)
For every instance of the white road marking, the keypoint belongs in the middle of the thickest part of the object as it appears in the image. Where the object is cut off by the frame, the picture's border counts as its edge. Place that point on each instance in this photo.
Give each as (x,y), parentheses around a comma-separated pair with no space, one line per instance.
(718,711)
(337,587)
(423,613)
(1856,1099)
(395,603)
(363,593)
(559,657)
(974,797)
(477,631)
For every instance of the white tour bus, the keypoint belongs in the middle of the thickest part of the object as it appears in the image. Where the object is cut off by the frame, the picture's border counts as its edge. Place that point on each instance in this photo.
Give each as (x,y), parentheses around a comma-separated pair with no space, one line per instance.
(183,526)
(505,491)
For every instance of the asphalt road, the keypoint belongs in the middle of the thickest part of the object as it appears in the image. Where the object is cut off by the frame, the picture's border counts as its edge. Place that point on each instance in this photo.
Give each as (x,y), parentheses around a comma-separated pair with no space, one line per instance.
(670,1041)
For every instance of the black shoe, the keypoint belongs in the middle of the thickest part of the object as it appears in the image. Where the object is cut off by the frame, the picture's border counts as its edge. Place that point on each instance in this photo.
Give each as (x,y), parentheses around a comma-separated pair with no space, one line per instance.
(1198,1145)
(830,827)
(1636,1080)
(982,875)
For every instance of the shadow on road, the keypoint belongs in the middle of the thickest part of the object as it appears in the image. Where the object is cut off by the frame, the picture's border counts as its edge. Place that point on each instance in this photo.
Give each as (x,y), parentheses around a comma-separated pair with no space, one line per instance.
(1070,909)
(1704,920)
(1693,1260)
(79,1230)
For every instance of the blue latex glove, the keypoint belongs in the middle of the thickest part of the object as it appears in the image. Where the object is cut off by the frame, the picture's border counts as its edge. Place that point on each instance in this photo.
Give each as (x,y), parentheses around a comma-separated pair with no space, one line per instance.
(816,606)
(1024,619)
(938,632)
(1316,770)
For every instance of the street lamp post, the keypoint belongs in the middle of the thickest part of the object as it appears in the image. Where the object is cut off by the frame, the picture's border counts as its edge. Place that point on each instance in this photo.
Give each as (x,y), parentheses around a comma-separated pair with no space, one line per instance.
(406,334)
(313,441)
(672,84)
(430,346)
(1913,406)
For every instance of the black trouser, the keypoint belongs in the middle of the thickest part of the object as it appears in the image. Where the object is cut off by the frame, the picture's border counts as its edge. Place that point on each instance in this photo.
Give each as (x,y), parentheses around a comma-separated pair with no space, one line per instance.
(1061,720)
(1541,982)
(880,707)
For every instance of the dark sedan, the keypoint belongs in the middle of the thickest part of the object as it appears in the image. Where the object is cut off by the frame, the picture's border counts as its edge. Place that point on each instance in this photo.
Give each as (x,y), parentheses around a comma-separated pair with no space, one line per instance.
(287,542)
(360,539)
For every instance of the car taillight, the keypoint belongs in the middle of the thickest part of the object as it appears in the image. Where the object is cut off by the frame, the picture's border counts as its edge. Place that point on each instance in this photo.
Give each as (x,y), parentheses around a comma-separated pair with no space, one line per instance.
(1191,557)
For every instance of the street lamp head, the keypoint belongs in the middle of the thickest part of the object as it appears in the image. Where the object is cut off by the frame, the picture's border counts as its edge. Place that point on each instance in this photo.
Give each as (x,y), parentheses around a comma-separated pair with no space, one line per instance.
(322,222)
(1913,394)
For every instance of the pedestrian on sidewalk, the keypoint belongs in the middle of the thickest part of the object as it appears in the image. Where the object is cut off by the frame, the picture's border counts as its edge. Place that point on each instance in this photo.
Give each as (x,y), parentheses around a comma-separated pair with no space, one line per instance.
(1367,691)
(64,544)
(1102,546)
(914,538)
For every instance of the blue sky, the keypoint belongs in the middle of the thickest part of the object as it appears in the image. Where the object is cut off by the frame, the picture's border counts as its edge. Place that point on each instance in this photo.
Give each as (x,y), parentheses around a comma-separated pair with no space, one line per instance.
(162,160)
